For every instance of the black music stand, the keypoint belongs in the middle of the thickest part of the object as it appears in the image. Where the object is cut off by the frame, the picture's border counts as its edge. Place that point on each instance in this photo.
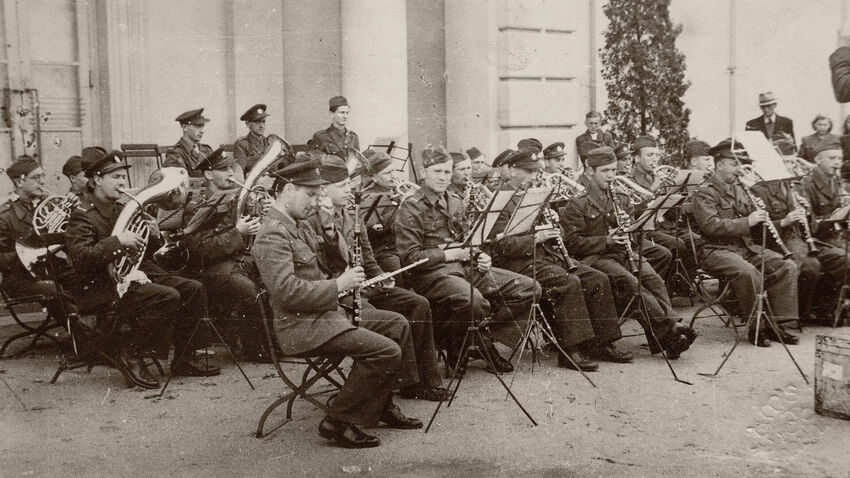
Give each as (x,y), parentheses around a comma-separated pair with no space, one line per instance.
(646,222)
(522,220)
(686,183)
(479,232)
(841,220)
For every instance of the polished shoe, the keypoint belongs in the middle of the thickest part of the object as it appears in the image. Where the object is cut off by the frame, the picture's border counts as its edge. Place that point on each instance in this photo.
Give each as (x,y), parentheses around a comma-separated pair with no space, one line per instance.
(346,435)
(394,418)
(763,341)
(675,344)
(609,353)
(501,365)
(688,332)
(578,360)
(192,368)
(137,374)
(422,392)
(787,338)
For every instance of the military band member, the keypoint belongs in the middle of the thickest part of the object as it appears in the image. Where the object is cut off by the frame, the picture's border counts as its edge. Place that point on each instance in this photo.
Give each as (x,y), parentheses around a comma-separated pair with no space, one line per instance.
(581,305)
(219,258)
(335,225)
(588,224)
(380,221)
(336,139)
(727,217)
(698,157)
(308,320)
(165,303)
(499,170)
(461,174)
(76,174)
(822,189)
(250,148)
(555,158)
(624,159)
(480,161)
(428,221)
(189,151)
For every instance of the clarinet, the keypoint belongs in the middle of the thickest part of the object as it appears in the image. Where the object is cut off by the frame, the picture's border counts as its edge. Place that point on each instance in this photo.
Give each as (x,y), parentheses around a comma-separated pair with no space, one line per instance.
(549,221)
(758,203)
(471,200)
(624,221)
(357,260)
(799,200)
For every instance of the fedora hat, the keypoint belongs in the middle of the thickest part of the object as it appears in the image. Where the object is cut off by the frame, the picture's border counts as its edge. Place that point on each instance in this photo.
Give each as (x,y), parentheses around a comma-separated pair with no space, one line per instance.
(767,98)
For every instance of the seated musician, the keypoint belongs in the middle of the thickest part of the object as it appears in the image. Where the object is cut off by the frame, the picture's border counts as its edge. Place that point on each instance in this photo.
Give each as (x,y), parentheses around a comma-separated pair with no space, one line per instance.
(588,223)
(16,226)
(498,171)
(215,236)
(309,321)
(728,219)
(337,138)
(428,221)
(580,304)
(335,225)
(624,159)
(555,158)
(156,304)
(822,189)
(248,149)
(461,175)
(76,174)
(189,151)
(698,157)
(480,161)
(381,182)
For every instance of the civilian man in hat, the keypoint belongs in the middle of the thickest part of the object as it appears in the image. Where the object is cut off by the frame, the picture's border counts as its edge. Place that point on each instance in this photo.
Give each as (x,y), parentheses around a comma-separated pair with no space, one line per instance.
(588,223)
(594,133)
(189,151)
(479,160)
(580,305)
(215,237)
(428,221)
(380,222)
(293,264)
(157,303)
(76,174)
(822,189)
(249,148)
(770,123)
(337,138)
(728,220)
(16,226)
(335,225)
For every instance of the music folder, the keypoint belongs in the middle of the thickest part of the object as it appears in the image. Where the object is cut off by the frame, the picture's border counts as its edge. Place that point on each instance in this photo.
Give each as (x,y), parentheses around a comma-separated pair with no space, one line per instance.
(483,225)
(654,212)
(528,209)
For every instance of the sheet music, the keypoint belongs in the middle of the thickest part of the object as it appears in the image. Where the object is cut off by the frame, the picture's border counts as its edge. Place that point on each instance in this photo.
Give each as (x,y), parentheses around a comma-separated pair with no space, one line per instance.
(526,212)
(485,222)
(766,160)
(840,214)
(654,213)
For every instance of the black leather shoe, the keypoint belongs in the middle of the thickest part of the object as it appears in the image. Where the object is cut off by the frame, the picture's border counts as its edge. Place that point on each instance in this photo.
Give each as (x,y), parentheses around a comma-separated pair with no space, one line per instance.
(394,418)
(787,338)
(584,364)
(192,368)
(502,365)
(609,353)
(346,435)
(675,344)
(763,341)
(137,375)
(423,392)
(688,332)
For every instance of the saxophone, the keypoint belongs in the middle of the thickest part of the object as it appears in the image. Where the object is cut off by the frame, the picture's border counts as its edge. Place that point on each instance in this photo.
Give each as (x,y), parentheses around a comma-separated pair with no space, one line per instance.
(758,203)
(623,222)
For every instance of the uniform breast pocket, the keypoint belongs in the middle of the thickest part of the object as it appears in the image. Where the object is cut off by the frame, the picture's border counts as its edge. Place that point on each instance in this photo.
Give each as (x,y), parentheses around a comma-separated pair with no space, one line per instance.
(303,259)
(727,211)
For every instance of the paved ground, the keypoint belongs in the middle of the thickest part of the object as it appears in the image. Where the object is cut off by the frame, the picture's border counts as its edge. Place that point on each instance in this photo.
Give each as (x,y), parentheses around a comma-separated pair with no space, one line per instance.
(754,419)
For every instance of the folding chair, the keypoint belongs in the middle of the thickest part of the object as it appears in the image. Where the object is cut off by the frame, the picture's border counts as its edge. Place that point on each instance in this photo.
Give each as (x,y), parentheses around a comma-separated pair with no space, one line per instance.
(37,332)
(720,304)
(148,151)
(317,368)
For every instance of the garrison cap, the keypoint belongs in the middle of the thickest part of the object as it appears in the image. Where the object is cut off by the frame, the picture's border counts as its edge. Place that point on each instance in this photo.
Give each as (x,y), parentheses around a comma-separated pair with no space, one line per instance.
(21,167)
(502,158)
(219,159)
(554,150)
(473,152)
(586,146)
(600,157)
(828,143)
(378,159)
(336,102)
(305,171)
(457,158)
(525,158)
(697,148)
(254,113)
(530,143)
(333,169)
(622,151)
(644,142)
(195,117)
(432,155)
(73,166)
(723,150)
(107,163)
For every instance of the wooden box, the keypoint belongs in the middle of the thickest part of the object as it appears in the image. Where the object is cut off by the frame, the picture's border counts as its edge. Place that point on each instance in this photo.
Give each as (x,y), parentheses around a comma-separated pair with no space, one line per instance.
(832,375)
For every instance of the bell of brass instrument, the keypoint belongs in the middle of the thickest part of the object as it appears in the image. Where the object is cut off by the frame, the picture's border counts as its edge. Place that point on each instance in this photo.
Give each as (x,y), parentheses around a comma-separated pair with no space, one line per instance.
(52,213)
(253,194)
(563,187)
(666,172)
(798,166)
(164,188)
(403,189)
(633,191)
(758,203)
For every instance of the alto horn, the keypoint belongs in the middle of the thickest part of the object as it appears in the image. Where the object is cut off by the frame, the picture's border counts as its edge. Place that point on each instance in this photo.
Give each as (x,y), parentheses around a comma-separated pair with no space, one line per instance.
(634,192)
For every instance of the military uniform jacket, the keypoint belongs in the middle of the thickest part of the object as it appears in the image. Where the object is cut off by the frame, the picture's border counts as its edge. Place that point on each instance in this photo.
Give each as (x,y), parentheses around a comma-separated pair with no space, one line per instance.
(16,226)
(302,295)
(778,203)
(809,144)
(380,222)
(604,139)
(215,239)
(248,149)
(781,125)
(334,141)
(426,221)
(586,221)
(824,194)
(339,249)
(183,156)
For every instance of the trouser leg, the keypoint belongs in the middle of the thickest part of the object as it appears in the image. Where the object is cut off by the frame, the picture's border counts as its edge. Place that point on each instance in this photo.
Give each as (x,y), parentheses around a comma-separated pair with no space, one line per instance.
(512,295)
(625,287)
(744,278)
(193,306)
(658,256)
(453,306)
(150,309)
(570,320)
(780,279)
(599,300)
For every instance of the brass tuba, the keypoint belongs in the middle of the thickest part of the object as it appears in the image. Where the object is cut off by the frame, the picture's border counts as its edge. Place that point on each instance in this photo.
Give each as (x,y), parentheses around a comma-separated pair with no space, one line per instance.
(167,187)
(636,193)
(254,193)
(52,213)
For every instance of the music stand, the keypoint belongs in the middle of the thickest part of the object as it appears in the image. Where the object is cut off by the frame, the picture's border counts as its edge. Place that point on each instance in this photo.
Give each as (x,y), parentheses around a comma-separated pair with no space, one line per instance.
(479,232)
(685,183)
(646,222)
(838,217)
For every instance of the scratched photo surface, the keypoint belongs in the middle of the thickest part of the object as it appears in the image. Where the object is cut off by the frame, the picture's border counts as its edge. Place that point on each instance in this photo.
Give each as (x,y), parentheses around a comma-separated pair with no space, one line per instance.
(162,364)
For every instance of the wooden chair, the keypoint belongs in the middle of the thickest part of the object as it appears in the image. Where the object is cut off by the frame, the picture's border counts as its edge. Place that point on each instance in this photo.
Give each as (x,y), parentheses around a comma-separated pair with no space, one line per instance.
(42,329)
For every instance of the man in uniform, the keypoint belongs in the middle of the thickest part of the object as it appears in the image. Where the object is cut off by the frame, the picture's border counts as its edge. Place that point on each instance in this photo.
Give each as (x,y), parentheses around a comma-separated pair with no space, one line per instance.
(337,138)
(479,160)
(822,189)
(428,221)
(380,220)
(157,306)
(624,159)
(580,305)
(308,320)
(215,237)
(76,174)
(594,133)
(584,148)
(726,217)
(499,170)
(698,157)
(555,158)
(770,123)
(588,223)
(461,175)
(335,225)
(189,151)
(249,148)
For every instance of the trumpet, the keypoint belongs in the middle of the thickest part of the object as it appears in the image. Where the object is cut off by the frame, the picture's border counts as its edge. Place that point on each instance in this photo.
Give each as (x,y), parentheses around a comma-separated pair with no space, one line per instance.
(798,166)
(52,213)
(635,193)
(667,172)
(563,187)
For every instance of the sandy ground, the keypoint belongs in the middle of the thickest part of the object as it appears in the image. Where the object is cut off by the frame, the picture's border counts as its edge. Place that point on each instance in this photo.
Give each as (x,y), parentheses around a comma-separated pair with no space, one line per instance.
(755,419)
